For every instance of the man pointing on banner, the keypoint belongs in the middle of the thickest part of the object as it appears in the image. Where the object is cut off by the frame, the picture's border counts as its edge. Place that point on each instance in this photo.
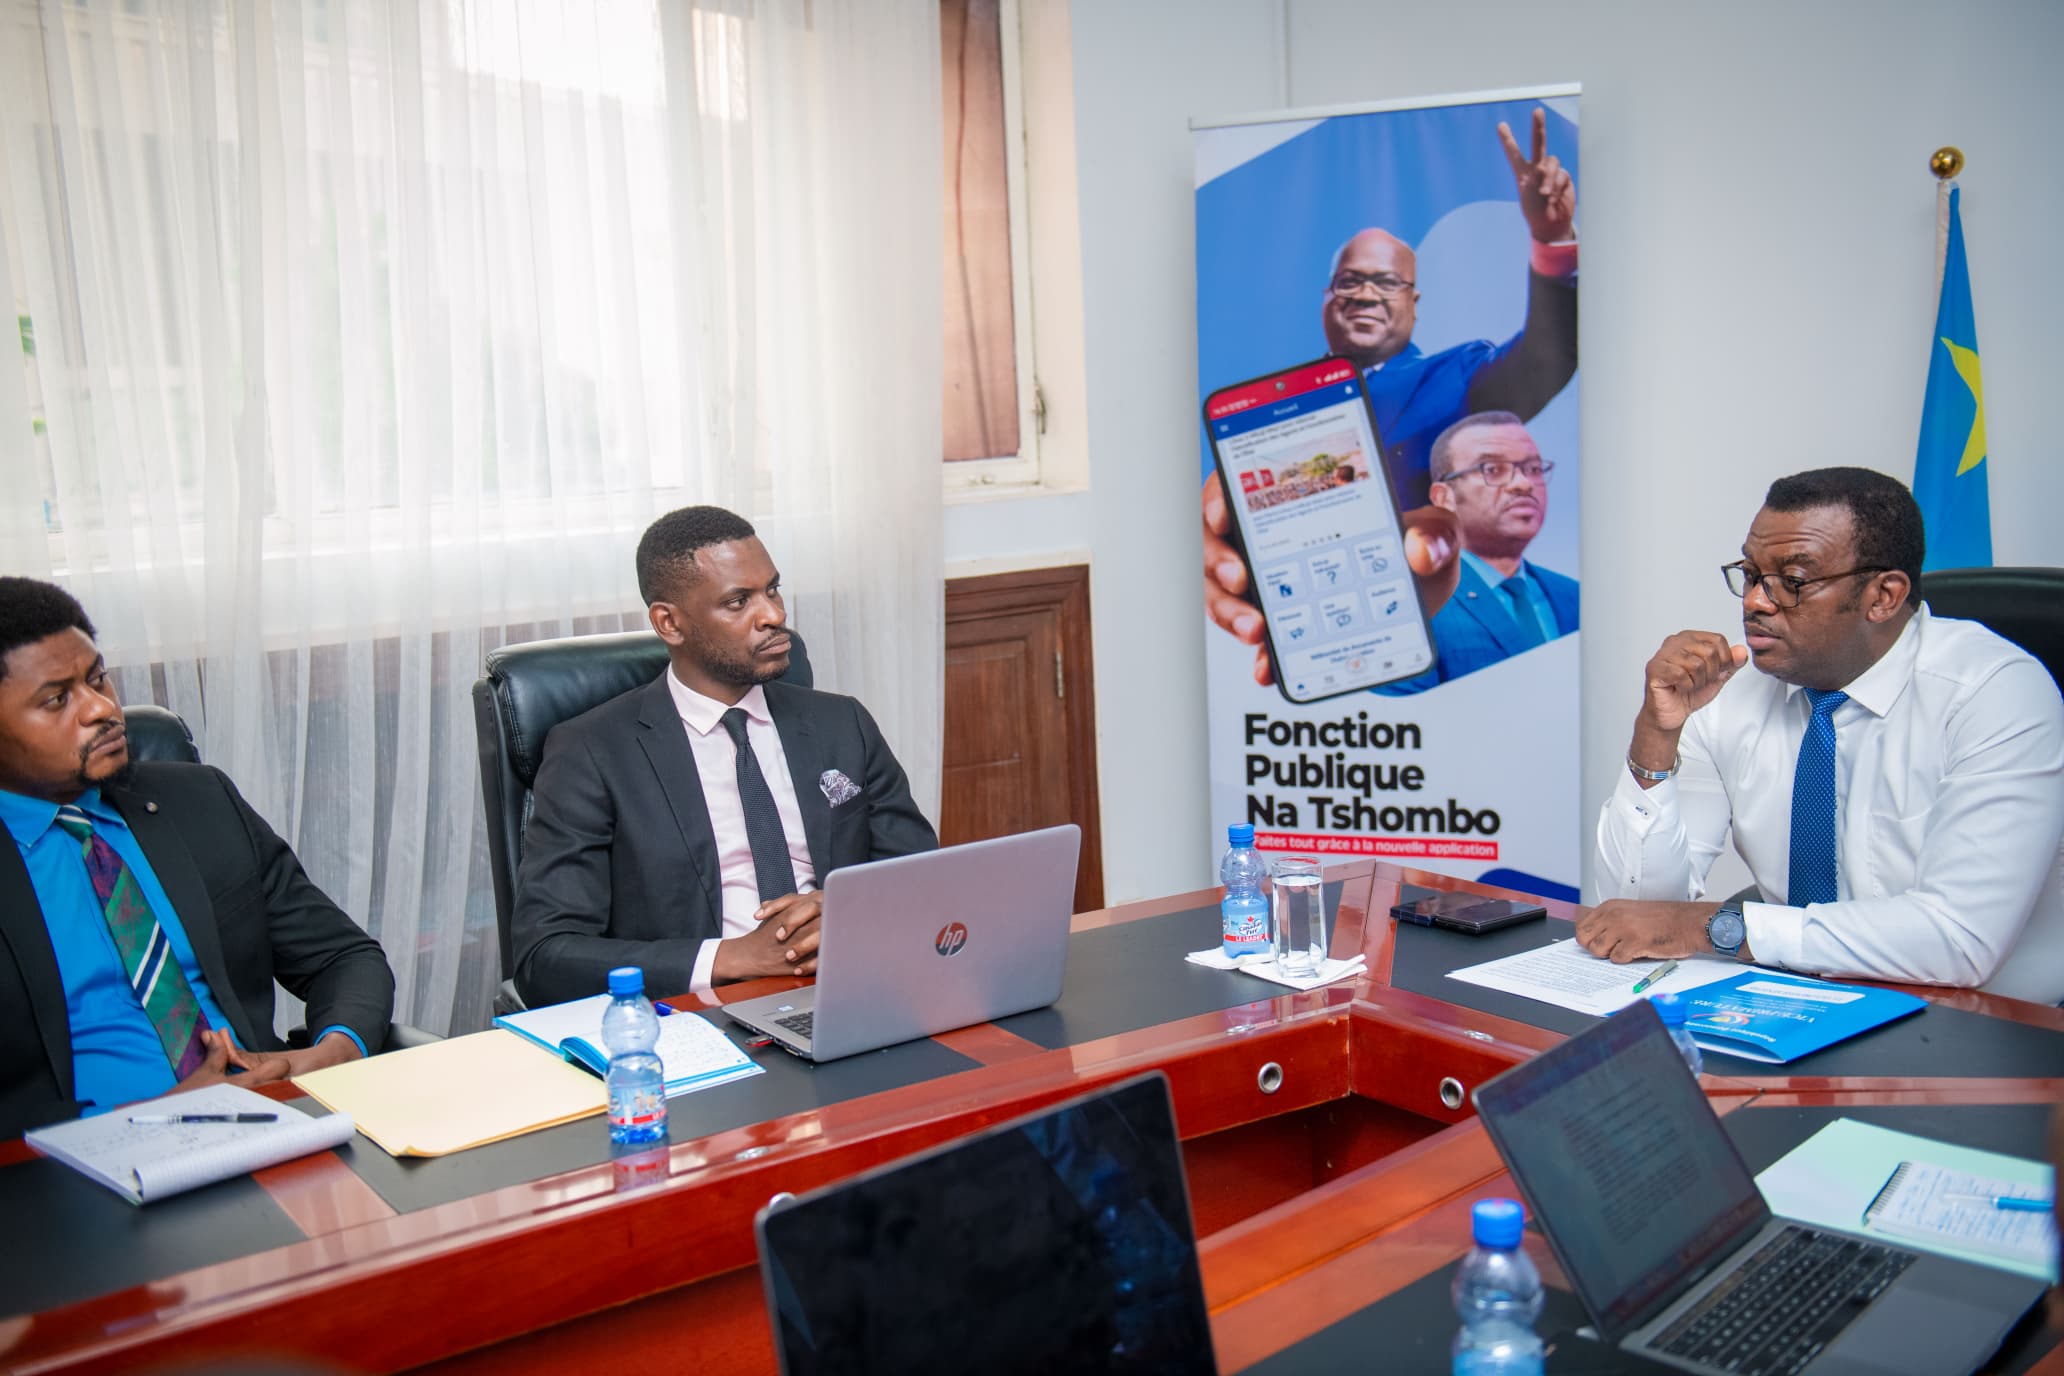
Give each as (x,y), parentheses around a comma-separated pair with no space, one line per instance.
(1895,780)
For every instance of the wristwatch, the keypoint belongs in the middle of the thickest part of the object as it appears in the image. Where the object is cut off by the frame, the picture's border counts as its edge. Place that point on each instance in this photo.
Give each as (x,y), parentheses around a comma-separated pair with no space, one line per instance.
(1727,931)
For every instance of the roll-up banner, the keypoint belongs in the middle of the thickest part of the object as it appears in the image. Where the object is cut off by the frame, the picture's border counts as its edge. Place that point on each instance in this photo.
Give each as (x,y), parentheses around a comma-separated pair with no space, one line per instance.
(1387,373)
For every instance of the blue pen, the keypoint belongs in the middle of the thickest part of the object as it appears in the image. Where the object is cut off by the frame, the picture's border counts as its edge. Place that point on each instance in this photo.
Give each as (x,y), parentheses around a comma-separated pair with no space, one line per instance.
(2012,1203)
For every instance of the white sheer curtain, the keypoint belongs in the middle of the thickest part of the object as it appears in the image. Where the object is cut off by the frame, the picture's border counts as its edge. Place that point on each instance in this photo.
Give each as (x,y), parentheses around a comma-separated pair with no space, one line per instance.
(360,338)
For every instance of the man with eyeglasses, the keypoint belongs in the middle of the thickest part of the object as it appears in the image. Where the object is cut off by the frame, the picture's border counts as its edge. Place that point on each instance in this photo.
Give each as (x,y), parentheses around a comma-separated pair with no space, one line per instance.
(1488,471)
(1894,780)
(1370,307)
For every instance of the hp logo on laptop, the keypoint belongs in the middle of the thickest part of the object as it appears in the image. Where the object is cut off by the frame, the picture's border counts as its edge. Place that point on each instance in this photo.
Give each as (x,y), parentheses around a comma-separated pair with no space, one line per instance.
(950,939)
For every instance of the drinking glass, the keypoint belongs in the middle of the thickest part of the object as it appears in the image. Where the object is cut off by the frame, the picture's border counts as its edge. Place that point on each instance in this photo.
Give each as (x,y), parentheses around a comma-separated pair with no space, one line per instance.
(1297,915)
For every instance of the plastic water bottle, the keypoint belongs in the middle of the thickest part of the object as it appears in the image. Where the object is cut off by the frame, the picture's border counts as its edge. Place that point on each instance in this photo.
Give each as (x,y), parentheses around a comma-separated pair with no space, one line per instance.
(1244,909)
(636,1080)
(1670,1009)
(1498,1296)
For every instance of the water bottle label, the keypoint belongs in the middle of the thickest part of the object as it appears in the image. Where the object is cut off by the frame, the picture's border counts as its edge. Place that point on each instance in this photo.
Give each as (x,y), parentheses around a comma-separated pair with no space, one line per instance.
(1245,927)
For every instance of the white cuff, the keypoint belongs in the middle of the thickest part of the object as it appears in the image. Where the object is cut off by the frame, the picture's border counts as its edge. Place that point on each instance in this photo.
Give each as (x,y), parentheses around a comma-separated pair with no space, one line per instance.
(1642,808)
(1777,934)
(705,966)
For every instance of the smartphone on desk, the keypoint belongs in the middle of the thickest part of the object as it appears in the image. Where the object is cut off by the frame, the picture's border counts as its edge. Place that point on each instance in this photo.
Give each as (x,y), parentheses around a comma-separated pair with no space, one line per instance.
(1467,912)
(1317,523)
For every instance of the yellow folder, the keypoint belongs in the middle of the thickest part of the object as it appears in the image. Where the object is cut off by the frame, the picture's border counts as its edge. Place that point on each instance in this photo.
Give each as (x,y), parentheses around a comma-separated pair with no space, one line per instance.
(451,1095)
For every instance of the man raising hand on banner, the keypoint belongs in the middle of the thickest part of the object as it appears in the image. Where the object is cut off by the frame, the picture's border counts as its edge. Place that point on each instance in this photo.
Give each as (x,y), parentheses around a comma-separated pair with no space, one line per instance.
(1370,307)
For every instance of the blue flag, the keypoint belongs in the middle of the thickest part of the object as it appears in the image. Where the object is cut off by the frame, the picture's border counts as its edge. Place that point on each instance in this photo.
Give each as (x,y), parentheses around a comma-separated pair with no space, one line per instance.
(1949,469)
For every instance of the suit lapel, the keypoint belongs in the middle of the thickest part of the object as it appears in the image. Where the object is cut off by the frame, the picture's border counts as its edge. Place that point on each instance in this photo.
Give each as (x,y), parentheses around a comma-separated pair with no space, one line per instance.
(22,931)
(159,840)
(665,742)
(1486,606)
(805,765)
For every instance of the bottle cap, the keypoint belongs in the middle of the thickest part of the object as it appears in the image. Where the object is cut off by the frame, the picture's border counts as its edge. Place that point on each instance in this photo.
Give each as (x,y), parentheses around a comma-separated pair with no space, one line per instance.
(626,980)
(1240,834)
(1669,1008)
(1497,1222)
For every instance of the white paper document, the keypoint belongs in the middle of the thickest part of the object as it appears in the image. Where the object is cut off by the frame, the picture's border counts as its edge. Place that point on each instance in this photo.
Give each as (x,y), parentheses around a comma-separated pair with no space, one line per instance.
(147,1161)
(1568,976)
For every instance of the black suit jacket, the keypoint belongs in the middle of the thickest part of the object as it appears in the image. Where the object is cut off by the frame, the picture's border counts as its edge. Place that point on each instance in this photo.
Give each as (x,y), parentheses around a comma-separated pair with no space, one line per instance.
(251,913)
(619,860)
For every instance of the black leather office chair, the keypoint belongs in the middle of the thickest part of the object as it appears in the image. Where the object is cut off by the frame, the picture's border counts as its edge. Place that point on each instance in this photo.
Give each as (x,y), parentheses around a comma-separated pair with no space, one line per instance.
(529,689)
(2025,605)
(159,734)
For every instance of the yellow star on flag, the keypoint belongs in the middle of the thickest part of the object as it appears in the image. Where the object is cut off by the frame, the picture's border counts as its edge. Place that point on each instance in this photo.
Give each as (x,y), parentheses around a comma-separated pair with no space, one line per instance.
(1966,361)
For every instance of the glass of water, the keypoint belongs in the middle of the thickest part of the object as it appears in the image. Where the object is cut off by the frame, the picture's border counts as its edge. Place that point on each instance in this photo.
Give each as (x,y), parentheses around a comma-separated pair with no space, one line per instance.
(1297,915)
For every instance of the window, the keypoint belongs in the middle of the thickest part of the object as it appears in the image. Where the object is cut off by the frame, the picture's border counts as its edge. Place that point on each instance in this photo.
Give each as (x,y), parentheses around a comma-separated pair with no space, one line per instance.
(993,410)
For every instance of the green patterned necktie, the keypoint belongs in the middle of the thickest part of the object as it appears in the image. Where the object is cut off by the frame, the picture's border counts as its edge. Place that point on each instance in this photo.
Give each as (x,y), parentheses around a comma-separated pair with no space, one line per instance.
(153,970)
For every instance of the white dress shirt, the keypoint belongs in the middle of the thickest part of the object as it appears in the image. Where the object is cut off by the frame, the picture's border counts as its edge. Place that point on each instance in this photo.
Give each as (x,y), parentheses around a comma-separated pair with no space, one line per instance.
(716,760)
(1949,787)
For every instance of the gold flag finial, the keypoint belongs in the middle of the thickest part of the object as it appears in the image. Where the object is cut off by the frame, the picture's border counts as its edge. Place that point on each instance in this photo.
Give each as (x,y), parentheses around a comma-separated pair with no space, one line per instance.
(1946,162)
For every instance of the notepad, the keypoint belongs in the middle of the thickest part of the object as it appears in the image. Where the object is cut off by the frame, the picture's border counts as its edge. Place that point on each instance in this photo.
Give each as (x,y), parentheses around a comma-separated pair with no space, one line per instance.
(1832,1177)
(694,1052)
(450,1095)
(145,1162)
(1924,1203)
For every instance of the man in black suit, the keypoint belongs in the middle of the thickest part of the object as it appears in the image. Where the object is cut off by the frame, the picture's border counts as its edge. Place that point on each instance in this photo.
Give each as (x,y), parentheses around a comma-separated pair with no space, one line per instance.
(685,826)
(145,910)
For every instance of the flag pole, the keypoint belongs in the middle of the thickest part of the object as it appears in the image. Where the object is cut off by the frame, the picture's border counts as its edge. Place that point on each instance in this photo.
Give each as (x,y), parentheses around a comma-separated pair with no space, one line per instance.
(1945,163)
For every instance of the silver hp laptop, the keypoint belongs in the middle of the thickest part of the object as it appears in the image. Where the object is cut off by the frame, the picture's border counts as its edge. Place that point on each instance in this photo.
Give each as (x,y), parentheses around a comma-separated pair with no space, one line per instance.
(1059,1242)
(926,943)
(1661,1229)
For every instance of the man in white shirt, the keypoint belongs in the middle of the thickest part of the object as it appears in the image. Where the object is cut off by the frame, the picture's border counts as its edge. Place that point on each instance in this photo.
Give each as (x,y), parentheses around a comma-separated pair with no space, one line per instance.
(686,826)
(1894,780)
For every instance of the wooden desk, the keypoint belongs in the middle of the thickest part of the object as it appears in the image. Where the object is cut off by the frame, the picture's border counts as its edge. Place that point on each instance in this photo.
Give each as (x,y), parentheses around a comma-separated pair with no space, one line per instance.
(1352,1173)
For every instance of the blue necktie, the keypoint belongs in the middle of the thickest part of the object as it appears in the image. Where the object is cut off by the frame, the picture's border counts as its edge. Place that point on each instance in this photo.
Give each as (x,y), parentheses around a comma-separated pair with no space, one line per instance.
(1530,635)
(1813,806)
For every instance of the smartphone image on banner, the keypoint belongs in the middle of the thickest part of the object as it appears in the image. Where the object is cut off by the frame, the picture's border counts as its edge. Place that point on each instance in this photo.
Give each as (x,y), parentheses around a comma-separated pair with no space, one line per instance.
(1319,529)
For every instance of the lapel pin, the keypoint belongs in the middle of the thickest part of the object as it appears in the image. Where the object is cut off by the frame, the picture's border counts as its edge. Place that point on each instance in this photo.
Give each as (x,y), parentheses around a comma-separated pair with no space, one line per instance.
(150,807)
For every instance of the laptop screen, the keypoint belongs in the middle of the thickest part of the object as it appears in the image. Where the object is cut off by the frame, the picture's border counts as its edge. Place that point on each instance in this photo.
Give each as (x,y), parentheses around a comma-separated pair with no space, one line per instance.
(1056,1243)
(1624,1164)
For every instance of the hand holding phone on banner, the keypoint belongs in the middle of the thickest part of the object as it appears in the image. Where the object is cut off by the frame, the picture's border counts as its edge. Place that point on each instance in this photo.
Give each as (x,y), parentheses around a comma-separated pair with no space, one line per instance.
(1344,585)
(1432,545)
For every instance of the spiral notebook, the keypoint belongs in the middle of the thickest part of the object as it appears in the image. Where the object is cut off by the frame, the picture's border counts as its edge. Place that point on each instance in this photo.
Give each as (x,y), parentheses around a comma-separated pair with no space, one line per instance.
(1932,1204)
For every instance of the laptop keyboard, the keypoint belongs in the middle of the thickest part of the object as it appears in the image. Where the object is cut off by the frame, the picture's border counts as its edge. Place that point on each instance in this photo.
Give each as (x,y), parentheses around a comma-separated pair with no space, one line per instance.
(798,1023)
(1786,1303)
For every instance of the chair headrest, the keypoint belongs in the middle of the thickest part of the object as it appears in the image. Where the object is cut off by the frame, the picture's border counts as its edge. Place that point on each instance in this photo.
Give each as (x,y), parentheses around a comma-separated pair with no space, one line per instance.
(160,734)
(545,682)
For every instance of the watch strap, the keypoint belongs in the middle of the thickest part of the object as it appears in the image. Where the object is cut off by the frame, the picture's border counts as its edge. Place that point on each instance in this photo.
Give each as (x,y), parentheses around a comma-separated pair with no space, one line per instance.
(1654,776)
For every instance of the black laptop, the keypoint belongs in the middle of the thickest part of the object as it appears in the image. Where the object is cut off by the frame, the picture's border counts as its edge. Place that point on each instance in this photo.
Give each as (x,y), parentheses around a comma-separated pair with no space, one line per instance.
(1056,1243)
(1665,1237)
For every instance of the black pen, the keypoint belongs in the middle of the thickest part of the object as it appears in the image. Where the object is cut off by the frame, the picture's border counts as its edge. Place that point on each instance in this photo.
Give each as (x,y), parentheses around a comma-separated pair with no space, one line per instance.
(155,1119)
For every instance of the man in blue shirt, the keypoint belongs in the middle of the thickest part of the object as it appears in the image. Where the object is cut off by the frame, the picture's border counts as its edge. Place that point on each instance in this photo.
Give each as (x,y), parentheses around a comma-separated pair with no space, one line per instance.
(145,910)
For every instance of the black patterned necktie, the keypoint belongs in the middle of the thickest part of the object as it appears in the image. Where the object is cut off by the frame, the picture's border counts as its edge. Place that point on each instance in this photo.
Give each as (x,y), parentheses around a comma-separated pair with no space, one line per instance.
(771,866)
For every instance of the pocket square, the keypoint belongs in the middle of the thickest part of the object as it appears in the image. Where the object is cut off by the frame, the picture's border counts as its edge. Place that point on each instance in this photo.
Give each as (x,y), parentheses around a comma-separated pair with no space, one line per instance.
(837,787)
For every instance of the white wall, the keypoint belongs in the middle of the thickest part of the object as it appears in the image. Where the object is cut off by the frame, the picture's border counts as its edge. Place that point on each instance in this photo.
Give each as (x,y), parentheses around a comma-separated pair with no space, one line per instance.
(1757,221)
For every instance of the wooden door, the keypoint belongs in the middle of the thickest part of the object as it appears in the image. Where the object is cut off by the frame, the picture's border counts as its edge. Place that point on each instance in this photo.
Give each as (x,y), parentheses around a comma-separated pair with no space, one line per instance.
(1020,715)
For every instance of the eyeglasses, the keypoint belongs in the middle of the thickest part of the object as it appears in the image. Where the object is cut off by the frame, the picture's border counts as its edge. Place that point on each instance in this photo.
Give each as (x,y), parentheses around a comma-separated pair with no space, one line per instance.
(1782,589)
(1498,472)
(1355,283)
